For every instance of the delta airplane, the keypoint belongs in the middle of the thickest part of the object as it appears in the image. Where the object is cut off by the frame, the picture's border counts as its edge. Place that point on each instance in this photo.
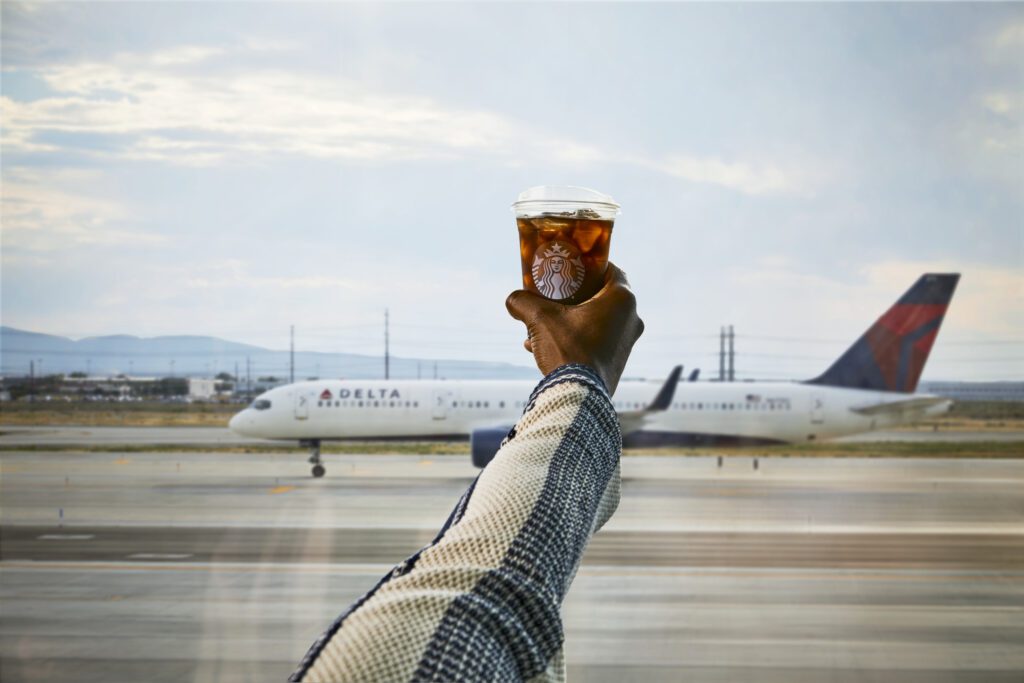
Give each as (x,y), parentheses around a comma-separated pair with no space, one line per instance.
(871,386)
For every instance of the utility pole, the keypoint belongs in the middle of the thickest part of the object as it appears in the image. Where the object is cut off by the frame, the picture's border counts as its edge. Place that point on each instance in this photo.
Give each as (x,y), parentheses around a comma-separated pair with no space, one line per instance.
(732,355)
(721,354)
(387,347)
(291,356)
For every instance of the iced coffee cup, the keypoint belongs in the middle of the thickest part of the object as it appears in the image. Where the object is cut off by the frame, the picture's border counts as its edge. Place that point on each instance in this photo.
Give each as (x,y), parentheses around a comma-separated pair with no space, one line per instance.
(564,236)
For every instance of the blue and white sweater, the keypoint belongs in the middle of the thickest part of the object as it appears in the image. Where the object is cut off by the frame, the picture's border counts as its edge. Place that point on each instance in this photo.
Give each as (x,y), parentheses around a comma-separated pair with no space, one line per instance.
(482,601)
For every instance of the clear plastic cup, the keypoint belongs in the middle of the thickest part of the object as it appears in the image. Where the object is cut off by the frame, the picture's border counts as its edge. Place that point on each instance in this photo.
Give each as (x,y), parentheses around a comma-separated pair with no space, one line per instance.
(565,233)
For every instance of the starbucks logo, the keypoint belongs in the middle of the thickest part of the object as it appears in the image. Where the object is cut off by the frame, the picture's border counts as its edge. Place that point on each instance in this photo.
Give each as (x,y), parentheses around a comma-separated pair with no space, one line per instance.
(557,270)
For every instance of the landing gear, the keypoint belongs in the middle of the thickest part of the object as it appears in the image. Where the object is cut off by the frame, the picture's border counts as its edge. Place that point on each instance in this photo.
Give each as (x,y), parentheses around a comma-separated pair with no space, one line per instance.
(314,457)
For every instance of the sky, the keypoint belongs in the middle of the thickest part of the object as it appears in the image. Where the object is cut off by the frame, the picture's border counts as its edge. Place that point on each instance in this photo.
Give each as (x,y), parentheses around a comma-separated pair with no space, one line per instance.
(789,169)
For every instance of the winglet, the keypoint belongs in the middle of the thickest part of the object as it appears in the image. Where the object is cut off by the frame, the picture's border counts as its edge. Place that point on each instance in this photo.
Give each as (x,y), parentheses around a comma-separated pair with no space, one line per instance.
(663,400)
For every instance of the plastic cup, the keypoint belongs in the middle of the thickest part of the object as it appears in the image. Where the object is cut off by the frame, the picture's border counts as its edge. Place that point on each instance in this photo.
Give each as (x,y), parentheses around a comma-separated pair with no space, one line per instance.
(565,233)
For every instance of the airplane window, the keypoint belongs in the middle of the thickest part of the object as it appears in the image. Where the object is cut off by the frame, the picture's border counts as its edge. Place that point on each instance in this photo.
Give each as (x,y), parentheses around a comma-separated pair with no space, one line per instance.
(360,404)
(478,404)
(486,404)
(416,404)
(501,404)
(261,404)
(700,406)
(455,404)
(319,404)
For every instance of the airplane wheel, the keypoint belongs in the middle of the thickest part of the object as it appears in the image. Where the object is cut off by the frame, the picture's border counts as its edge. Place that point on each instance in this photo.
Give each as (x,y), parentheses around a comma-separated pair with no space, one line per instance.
(318,471)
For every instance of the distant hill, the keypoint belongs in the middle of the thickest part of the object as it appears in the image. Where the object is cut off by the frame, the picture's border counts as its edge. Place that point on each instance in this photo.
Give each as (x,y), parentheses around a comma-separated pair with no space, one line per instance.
(196,356)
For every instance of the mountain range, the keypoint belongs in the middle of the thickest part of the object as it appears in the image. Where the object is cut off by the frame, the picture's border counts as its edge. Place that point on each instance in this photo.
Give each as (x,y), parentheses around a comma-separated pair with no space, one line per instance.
(198,356)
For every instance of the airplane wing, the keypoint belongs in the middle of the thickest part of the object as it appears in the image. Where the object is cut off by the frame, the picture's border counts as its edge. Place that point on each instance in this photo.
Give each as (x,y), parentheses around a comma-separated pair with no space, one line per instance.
(633,420)
(908,405)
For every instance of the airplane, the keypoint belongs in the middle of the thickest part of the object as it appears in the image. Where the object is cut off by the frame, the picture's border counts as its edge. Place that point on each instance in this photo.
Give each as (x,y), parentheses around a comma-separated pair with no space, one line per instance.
(871,386)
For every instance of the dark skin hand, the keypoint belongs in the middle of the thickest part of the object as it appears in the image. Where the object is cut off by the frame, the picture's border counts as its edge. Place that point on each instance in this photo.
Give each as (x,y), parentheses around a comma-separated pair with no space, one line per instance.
(600,332)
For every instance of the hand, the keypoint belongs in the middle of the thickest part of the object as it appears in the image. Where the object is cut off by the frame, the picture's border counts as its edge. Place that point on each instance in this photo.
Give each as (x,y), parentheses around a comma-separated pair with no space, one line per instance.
(600,332)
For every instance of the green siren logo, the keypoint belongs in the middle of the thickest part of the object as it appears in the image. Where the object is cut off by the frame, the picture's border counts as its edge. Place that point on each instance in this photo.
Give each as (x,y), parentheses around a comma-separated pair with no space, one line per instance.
(558,270)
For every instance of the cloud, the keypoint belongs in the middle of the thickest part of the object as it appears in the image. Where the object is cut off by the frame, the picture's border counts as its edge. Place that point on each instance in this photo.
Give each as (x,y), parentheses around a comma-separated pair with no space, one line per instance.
(165,110)
(739,176)
(364,277)
(185,54)
(41,215)
(989,301)
(1010,37)
(1004,103)
(232,274)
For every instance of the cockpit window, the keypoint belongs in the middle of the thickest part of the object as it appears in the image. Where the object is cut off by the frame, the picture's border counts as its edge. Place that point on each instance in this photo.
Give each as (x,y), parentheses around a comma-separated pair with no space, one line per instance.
(261,404)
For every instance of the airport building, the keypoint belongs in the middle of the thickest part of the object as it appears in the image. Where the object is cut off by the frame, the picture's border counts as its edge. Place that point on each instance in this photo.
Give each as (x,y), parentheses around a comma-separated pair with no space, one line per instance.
(201,388)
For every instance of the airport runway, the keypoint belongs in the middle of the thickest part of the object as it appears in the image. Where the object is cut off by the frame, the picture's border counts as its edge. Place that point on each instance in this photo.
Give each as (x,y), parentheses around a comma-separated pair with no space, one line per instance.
(222,436)
(225,567)
(86,435)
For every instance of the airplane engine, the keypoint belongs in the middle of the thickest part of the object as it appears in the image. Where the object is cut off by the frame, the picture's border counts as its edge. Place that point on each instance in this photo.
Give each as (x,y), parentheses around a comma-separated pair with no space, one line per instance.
(484,445)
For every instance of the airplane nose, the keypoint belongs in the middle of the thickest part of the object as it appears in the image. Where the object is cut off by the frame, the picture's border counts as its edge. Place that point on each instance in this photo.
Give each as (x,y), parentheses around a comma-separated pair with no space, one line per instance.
(235,424)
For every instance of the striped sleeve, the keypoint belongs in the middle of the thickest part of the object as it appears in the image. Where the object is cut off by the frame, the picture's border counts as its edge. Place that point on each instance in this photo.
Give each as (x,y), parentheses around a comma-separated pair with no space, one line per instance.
(482,601)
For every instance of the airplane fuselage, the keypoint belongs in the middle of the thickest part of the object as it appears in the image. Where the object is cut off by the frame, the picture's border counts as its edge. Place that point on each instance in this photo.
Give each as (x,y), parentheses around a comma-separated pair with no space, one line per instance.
(741,412)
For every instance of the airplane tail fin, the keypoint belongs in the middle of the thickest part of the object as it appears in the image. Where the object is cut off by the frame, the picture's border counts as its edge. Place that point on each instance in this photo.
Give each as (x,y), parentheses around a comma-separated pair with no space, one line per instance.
(891,354)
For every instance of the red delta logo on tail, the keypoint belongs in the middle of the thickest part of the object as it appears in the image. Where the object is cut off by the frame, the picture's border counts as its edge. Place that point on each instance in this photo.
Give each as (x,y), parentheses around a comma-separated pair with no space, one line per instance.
(901,341)
(891,355)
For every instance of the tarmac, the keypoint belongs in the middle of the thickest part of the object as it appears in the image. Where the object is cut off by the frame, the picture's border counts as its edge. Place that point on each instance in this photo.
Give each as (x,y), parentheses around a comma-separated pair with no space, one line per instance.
(222,436)
(226,566)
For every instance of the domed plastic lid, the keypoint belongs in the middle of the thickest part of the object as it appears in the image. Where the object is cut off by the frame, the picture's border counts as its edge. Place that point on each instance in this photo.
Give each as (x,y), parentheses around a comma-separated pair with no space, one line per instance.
(564,199)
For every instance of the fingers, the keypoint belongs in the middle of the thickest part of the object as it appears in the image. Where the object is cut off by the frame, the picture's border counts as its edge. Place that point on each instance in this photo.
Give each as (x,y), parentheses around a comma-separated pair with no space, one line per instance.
(524,306)
(613,279)
(616,275)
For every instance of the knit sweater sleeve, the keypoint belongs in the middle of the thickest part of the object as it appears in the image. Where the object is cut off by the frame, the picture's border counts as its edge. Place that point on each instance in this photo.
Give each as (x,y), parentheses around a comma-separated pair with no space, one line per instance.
(482,601)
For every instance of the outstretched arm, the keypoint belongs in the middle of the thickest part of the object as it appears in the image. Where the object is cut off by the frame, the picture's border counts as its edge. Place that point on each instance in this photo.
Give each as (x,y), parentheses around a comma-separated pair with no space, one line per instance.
(482,601)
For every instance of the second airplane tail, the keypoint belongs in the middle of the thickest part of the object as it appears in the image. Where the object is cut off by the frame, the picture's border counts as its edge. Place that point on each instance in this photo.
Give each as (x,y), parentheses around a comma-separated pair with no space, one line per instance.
(891,354)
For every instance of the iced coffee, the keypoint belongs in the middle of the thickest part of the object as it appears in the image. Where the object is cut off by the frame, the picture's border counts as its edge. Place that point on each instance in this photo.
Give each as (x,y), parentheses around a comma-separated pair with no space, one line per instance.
(564,237)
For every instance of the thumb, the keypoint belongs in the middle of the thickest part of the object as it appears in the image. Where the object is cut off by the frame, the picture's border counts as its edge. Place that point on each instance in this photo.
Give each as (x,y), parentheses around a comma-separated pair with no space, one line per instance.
(524,306)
